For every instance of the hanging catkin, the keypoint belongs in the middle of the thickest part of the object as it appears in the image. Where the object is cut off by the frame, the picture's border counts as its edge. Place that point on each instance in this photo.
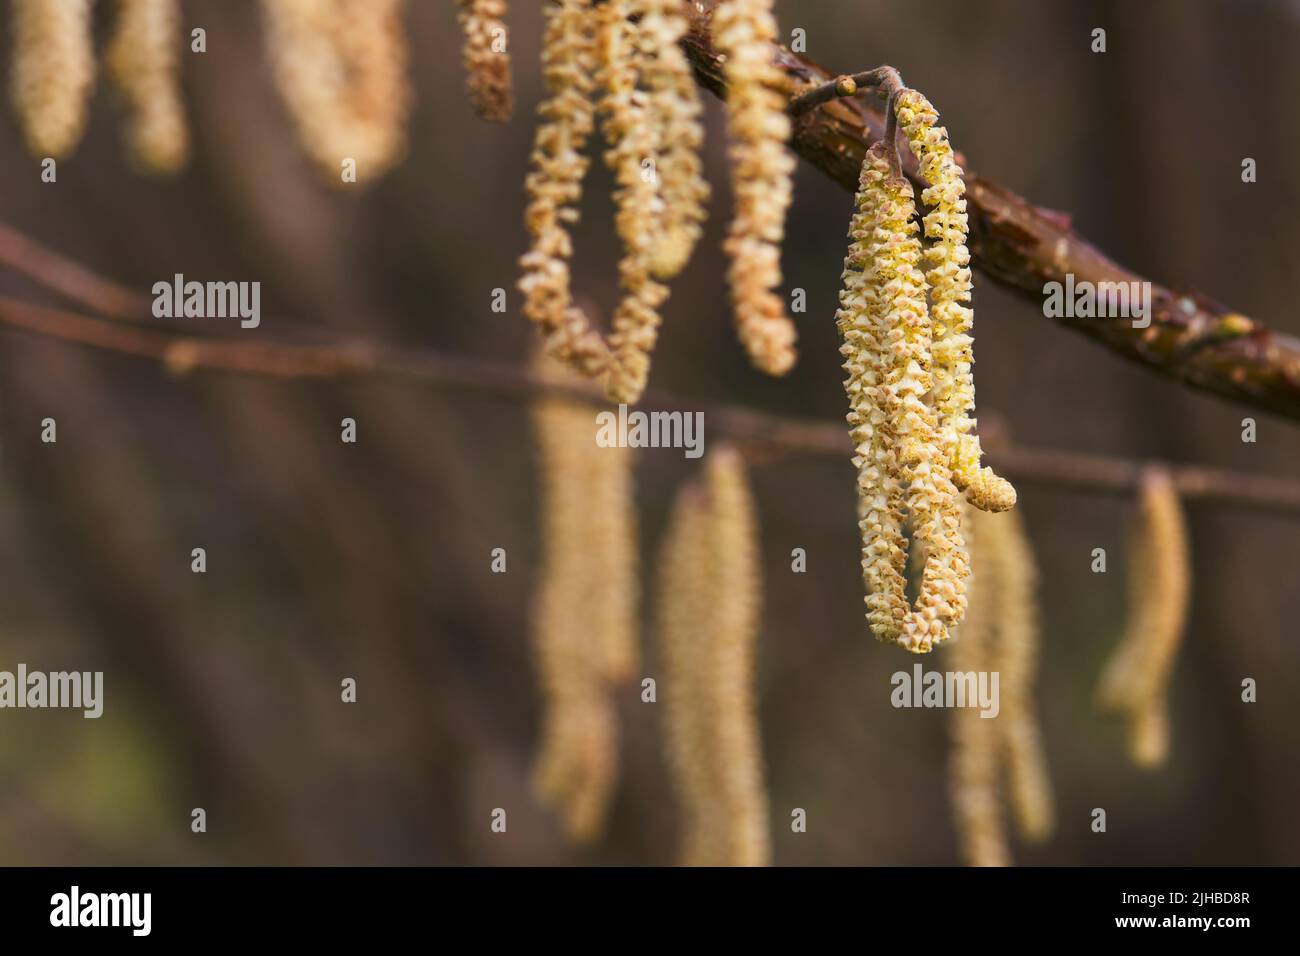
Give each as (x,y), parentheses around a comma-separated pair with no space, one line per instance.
(554,187)
(708,620)
(902,470)
(53,72)
(1135,682)
(487,58)
(340,66)
(1007,582)
(951,318)
(630,135)
(143,62)
(585,617)
(675,111)
(745,31)
(974,755)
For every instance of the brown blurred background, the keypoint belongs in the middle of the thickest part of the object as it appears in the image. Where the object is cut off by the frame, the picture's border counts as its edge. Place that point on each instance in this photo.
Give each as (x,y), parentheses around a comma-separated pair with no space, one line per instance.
(371,560)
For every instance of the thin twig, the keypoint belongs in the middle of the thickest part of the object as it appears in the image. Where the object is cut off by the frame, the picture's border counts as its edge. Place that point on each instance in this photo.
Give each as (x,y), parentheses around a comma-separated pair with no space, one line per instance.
(761,433)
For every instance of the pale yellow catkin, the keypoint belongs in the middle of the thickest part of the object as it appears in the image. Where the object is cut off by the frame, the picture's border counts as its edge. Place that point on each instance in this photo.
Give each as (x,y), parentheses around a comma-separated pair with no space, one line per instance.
(902,469)
(1007,581)
(675,110)
(1135,682)
(341,68)
(949,278)
(143,62)
(584,635)
(973,763)
(708,623)
(554,187)
(630,134)
(487,58)
(53,73)
(762,167)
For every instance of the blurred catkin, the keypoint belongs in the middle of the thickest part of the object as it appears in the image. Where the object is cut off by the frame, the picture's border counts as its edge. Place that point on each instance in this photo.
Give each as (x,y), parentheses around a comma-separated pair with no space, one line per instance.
(341,67)
(143,62)
(973,763)
(630,135)
(585,635)
(675,110)
(708,621)
(53,72)
(1135,682)
(487,58)
(1008,583)
(762,167)
(554,187)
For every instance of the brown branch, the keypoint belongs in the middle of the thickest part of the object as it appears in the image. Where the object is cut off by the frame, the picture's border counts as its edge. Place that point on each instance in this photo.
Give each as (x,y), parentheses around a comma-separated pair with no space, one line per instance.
(1023,246)
(760,433)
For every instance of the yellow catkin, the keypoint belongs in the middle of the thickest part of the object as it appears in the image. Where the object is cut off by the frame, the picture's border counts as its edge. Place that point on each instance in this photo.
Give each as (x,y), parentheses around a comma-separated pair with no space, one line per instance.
(1136,680)
(675,111)
(53,72)
(708,623)
(554,187)
(143,61)
(340,66)
(682,623)
(761,180)
(1007,581)
(975,742)
(631,137)
(952,319)
(889,368)
(585,616)
(487,58)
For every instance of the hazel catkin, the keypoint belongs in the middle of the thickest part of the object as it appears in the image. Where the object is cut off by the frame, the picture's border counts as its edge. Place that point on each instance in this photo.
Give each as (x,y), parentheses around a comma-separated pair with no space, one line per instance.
(53,72)
(143,61)
(487,59)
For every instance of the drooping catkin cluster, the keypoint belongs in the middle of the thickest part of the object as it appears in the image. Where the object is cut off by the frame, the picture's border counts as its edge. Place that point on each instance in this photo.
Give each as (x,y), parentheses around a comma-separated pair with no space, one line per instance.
(143,61)
(999,635)
(53,72)
(619,59)
(585,631)
(745,31)
(1135,683)
(906,345)
(903,475)
(709,592)
(487,58)
(340,66)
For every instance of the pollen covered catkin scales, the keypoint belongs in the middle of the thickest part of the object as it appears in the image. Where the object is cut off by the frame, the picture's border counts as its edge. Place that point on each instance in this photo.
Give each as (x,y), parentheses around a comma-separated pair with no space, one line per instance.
(143,61)
(487,58)
(745,31)
(585,630)
(709,593)
(53,72)
(340,66)
(1135,683)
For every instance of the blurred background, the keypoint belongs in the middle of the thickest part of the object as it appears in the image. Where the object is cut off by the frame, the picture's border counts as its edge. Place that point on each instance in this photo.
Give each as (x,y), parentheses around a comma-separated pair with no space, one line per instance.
(371,560)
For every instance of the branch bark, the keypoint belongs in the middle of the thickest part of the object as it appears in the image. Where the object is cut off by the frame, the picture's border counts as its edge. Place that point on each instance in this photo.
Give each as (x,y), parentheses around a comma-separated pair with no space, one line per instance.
(1022,246)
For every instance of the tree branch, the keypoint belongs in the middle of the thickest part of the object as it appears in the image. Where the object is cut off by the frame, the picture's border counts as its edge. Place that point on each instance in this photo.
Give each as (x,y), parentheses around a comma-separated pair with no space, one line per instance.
(762,434)
(1022,246)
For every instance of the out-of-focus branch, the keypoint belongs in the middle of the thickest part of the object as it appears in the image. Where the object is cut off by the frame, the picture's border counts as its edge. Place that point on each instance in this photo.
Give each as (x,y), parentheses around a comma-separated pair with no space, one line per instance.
(761,433)
(1191,339)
